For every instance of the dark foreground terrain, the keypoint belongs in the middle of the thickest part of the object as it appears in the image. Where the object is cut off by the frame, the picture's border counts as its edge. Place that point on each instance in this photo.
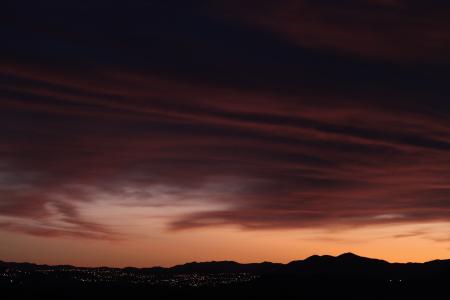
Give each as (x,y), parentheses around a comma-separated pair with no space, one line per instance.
(347,276)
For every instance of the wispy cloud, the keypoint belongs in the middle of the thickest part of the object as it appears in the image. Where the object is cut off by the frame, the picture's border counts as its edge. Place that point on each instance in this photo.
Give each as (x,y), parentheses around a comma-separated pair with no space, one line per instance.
(299,119)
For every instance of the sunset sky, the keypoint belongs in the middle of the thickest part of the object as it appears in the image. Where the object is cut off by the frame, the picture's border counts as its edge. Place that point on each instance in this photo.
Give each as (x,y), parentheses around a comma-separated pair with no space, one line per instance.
(142,133)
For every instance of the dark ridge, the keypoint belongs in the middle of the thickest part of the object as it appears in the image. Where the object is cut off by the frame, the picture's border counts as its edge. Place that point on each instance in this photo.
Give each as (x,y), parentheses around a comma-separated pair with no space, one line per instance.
(345,260)
(346,276)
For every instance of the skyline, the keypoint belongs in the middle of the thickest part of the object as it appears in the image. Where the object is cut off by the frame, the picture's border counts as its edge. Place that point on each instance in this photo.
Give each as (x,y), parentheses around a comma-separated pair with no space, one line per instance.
(218,265)
(163,132)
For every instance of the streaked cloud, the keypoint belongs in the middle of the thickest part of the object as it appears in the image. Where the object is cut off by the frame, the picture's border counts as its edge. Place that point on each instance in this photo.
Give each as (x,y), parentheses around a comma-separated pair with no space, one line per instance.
(276,115)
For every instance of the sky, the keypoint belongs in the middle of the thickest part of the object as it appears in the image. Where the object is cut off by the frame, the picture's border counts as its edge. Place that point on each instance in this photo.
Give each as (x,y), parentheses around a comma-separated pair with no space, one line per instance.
(142,133)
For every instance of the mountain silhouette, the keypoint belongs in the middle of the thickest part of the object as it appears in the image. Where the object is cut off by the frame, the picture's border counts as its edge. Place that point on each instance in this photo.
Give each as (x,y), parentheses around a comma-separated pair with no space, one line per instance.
(347,275)
(224,267)
(346,264)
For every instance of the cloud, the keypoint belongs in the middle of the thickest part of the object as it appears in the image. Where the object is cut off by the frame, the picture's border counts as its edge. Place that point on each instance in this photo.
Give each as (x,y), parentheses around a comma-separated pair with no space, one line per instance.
(266,127)
(398,31)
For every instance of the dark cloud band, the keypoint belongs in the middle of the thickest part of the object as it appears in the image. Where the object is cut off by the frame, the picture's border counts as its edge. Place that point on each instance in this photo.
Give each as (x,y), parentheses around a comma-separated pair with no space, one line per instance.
(315,128)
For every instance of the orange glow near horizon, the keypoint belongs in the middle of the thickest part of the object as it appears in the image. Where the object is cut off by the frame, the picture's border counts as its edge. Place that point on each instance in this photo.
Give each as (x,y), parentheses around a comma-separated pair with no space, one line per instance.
(150,243)
(141,235)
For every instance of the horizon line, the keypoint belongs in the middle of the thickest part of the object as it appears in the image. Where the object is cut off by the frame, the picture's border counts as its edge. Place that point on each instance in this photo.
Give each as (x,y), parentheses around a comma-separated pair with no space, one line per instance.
(219,261)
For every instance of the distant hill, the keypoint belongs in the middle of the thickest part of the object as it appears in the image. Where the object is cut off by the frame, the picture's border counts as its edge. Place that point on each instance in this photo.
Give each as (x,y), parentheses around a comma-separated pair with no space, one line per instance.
(225,267)
(347,264)
(347,276)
